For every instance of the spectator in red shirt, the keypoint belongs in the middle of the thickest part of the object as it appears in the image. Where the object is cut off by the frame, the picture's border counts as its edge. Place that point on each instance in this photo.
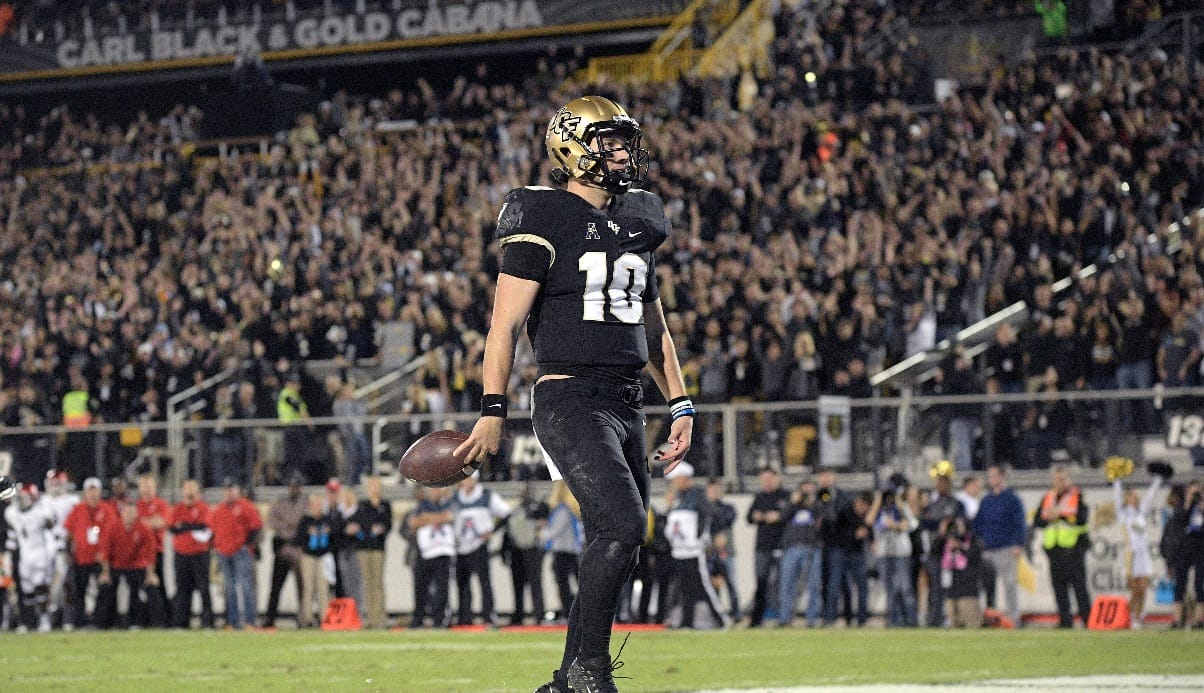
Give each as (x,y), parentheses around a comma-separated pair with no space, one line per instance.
(236,527)
(131,558)
(88,528)
(154,511)
(119,493)
(191,539)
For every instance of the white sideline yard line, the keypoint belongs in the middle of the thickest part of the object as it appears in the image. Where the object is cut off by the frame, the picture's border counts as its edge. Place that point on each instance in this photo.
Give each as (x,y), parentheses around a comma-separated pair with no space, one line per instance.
(1062,684)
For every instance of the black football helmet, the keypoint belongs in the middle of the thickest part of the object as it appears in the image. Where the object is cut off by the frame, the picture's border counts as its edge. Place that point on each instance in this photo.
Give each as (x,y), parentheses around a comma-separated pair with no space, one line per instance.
(581,136)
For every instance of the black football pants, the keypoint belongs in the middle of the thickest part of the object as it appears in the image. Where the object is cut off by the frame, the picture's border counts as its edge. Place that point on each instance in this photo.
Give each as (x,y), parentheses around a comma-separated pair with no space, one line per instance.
(594,433)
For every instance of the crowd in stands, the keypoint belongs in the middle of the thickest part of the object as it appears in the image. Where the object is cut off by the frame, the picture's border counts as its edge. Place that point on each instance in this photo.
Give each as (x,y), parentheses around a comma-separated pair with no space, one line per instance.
(824,229)
(1088,15)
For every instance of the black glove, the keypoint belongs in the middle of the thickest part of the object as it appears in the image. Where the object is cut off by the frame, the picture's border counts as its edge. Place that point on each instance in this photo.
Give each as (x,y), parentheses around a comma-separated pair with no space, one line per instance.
(1161,469)
(8,488)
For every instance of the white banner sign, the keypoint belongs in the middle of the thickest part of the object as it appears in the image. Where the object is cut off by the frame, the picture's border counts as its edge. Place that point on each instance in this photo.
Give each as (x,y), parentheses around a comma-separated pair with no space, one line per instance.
(835,432)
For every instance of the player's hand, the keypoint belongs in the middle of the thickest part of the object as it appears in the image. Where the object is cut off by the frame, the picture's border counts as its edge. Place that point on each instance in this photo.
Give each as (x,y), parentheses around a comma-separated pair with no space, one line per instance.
(485,440)
(680,435)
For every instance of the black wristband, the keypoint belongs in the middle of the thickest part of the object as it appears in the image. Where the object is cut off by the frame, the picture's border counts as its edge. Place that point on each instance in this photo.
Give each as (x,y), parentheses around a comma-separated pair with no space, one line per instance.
(494,405)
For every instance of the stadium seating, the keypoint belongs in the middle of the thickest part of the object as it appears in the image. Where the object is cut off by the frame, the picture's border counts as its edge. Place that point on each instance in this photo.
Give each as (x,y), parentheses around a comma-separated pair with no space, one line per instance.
(836,210)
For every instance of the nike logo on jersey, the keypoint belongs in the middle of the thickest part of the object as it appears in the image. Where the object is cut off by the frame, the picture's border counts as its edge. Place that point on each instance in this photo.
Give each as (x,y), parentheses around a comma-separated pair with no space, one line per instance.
(633,234)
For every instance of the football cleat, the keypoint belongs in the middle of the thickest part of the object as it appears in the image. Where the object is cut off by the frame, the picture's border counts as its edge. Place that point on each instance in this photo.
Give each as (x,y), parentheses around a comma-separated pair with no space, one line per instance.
(581,138)
(556,685)
(594,675)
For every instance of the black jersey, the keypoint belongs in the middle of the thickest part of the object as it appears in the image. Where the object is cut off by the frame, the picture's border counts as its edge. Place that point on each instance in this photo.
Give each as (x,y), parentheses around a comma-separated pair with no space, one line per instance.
(588,317)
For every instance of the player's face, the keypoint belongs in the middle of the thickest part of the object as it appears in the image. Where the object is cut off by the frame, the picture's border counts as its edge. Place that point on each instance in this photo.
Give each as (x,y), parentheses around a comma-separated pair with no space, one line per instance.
(616,151)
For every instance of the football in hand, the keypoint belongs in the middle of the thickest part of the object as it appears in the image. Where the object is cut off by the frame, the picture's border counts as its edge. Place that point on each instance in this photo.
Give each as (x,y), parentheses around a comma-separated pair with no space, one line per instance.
(430,460)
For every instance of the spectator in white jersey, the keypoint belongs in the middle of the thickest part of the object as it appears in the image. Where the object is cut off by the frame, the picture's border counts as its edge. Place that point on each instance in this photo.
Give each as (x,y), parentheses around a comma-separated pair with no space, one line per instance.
(688,530)
(478,511)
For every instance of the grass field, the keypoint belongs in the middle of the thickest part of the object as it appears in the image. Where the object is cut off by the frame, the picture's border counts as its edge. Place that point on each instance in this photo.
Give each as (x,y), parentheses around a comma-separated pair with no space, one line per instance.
(665,661)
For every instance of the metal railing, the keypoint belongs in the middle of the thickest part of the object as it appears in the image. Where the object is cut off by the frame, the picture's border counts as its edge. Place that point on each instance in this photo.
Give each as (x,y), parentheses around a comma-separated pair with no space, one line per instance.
(976,338)
(177,412)
(1029,431)
(744,43)
(389,387)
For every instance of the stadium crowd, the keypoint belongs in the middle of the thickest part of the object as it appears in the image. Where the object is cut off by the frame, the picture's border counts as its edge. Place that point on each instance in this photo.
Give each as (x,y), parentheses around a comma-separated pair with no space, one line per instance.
(824,228)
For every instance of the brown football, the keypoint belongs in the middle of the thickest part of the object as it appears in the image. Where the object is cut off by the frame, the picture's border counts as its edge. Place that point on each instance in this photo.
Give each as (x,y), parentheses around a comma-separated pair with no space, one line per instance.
(430,461)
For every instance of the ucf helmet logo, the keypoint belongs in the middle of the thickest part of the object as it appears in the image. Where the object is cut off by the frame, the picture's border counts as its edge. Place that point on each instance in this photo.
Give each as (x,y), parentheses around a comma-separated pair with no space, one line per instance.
(835,426)
(564,124)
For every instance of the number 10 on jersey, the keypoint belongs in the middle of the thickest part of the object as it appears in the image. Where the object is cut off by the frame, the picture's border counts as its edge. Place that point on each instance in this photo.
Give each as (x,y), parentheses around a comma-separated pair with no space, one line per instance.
(616,289)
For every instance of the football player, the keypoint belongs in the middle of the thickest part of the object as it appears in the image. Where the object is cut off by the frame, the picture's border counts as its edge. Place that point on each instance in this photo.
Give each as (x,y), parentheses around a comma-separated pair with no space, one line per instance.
(60,503)
(32,546)
(577,268)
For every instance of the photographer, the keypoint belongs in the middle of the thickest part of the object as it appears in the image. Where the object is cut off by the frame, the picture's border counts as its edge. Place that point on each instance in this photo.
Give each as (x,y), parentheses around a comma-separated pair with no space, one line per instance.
(893,526)
(802,557)
(853,537)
